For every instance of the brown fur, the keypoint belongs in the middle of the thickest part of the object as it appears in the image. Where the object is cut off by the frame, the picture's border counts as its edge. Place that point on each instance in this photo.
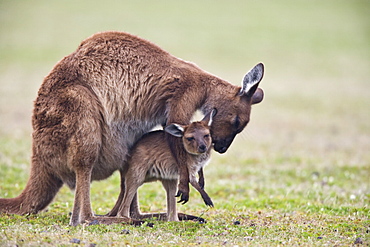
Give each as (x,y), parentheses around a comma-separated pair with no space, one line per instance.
(151,159)
(97,101)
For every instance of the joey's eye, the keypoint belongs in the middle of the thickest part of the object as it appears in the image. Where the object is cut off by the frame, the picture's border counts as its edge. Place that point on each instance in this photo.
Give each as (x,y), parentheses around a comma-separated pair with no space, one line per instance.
(190,139)
(206,136)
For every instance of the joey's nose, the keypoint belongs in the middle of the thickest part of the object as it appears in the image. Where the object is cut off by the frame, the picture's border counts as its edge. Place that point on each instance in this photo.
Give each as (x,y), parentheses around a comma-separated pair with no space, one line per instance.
(202,148)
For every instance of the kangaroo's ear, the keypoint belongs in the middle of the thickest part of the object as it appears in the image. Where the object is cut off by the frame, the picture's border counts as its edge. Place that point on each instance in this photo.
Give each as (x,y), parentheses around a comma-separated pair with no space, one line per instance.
(251,80)
(257,96)
(175,130)
(209,117)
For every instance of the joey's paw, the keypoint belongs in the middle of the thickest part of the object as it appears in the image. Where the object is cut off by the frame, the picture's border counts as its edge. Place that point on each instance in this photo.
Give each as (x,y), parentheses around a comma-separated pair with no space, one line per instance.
(208,202)
(184,196)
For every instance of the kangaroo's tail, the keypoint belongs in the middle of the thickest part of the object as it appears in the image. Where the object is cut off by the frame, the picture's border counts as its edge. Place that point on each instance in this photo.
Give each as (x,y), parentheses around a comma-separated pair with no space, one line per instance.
(40,190)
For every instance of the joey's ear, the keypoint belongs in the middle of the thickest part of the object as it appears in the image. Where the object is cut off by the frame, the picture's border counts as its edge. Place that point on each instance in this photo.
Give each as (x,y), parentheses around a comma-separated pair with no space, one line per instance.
(175,130)
(209,117)
(251,80)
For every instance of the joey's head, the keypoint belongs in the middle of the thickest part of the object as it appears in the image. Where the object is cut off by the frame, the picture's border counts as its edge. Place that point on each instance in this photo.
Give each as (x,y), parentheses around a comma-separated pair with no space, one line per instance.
(233,109)
(196,136)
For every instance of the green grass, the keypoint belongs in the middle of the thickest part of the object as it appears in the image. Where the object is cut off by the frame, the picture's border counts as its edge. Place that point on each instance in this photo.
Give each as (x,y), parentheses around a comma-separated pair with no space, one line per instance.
(297,175)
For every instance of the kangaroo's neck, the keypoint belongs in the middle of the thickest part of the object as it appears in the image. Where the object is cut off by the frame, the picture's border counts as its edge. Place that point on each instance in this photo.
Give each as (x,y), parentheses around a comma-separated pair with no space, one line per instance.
(216,90)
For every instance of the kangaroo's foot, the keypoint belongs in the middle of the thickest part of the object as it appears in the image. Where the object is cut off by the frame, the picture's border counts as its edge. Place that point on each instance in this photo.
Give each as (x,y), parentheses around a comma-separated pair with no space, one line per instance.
(191,217)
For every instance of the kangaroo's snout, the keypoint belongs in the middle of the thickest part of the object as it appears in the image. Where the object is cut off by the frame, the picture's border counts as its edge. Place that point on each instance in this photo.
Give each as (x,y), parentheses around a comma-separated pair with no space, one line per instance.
(222,145)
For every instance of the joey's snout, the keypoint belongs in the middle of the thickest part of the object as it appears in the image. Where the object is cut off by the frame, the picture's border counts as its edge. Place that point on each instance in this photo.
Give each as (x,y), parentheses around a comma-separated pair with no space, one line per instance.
(202,148)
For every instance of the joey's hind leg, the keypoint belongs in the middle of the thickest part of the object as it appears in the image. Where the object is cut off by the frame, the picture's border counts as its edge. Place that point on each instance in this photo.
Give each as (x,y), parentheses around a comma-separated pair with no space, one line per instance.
(171,215)
(170,187)
(133,180)
(171,207)
(116,207)
(134,208)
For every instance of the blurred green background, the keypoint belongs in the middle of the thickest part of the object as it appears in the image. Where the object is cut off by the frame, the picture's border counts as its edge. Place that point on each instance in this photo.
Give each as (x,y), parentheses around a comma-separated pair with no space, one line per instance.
(315,116)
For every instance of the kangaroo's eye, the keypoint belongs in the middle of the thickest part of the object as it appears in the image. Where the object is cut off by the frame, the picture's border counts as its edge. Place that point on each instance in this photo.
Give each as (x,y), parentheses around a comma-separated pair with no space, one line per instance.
(206,136)
(237,122)
(190,139)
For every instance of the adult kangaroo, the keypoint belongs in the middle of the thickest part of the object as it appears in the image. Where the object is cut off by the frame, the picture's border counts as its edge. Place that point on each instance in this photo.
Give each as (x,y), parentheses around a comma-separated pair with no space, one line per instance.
(96,102)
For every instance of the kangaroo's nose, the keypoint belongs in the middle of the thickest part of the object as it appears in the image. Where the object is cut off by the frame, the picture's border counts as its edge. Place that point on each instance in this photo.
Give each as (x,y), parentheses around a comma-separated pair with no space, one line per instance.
(202,148)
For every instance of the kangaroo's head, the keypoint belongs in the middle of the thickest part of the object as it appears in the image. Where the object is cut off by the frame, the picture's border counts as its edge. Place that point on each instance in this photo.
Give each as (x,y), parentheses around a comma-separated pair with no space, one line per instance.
(233,109)
(196,136)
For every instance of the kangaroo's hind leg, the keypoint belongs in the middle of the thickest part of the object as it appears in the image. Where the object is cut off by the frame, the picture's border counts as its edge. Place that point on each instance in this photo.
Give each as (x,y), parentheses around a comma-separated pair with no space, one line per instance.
(82,121)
